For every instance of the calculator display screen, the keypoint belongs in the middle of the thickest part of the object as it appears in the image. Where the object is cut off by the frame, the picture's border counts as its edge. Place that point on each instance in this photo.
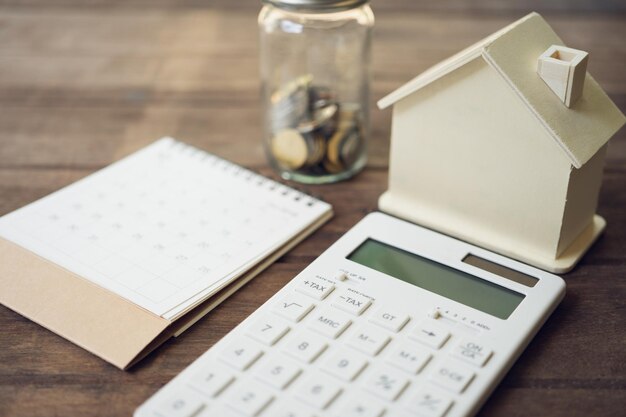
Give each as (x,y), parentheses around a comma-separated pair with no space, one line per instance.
(451,283)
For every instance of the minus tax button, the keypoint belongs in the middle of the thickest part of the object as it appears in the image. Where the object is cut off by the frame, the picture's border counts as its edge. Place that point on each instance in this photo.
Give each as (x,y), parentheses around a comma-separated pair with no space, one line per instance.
(314,287)
(351,303)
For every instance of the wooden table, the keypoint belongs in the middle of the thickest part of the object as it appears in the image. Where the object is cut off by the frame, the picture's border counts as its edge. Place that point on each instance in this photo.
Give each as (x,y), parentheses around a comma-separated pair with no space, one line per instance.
(84,84)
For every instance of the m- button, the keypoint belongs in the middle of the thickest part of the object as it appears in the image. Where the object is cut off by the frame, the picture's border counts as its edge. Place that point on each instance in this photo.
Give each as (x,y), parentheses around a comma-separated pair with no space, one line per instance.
(315,288)
(389,319)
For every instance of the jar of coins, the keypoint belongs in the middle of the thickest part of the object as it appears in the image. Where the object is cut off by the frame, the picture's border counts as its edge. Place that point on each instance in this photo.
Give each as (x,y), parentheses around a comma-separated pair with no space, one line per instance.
(315,87)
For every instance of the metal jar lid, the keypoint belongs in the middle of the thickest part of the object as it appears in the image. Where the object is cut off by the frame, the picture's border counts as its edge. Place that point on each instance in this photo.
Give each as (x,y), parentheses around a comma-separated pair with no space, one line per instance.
(316,5)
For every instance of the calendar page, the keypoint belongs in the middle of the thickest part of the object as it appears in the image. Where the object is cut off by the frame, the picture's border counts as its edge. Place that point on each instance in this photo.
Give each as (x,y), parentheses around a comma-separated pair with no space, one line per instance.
(166,227)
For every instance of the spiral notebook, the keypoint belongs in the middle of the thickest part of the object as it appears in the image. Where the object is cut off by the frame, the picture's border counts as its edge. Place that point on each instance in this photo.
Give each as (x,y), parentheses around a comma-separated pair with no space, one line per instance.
(138,251)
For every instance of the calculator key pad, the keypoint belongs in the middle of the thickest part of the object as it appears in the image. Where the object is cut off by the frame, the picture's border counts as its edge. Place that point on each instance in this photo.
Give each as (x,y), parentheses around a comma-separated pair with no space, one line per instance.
(250,398)
(278,372)
(344,364)
(294,306)
(452,376)
(472,351)
(369,340)
(390,319)
(409,357)
(351,302)
(181,405)
(318,391)
(387,383)
(268,330)
(305,347)
(360,405)
(430,333)
(315,288)
(241,354)
(429,403)
(212,381)
(330,322)
(345,355)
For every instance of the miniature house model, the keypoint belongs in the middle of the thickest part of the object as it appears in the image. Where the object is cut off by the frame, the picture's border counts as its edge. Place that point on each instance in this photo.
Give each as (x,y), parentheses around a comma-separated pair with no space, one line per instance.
(503,146)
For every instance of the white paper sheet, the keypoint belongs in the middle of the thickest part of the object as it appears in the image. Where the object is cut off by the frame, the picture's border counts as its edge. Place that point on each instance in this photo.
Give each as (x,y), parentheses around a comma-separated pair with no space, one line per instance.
(165,227)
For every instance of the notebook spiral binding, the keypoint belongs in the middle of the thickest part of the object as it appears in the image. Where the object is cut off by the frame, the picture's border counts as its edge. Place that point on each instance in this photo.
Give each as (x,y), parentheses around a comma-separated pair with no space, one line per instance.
(248,175)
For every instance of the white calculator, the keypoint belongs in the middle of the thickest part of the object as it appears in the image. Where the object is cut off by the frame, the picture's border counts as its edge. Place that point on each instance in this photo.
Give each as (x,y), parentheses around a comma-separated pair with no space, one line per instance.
(392,320)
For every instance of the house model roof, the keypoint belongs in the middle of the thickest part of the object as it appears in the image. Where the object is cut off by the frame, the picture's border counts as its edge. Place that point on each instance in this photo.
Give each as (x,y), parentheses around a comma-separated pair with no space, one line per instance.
(513,52)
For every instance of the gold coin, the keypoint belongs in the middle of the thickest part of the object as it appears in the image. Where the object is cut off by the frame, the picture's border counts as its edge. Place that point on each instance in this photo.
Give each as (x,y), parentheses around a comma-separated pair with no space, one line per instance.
(317,149)
(300,83)
(290,148)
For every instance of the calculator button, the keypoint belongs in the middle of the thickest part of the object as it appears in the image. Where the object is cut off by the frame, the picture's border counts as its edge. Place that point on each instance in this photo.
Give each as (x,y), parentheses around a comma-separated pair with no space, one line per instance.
(390,319)
(268,330)
(212,380)
(351,303)
(429,403)
(430,333)
(387,383)
(369,340)
(250,399)
(278,372)
(305,347)
(360,406)
(241,355)
(289,408)
(330,322)
(315,288)
(344,364)
(409,357)
(472,351)
(181,405)
(453,377)
(294,307)
(318,390)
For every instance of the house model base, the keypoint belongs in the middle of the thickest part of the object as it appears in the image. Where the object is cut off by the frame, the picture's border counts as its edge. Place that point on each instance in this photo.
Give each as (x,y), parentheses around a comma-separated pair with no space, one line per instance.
(569,258)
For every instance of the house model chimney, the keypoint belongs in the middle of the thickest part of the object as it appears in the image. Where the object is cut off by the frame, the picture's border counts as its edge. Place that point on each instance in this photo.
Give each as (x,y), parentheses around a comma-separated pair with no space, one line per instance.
(563,70)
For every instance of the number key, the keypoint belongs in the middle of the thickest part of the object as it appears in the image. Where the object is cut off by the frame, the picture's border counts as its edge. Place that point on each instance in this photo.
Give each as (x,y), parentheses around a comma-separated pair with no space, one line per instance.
(250,399)
(182,404)
(305,347)
(278,372)
(268,330)
(241,355)
(344,364)
(318,391)
(212,380)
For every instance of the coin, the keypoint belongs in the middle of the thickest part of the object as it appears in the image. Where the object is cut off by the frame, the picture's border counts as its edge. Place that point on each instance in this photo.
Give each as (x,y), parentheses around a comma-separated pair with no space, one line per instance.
(290,148)
(321,117)
(290,104)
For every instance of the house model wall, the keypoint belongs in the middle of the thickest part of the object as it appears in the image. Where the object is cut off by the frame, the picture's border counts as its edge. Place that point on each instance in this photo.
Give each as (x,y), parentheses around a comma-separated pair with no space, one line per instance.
(483,148)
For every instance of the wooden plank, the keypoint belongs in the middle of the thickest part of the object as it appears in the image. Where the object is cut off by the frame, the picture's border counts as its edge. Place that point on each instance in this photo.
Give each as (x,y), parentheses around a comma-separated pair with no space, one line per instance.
(85,82)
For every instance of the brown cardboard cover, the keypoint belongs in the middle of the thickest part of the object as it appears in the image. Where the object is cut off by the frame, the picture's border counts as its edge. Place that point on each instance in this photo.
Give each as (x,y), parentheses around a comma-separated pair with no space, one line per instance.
(90,316)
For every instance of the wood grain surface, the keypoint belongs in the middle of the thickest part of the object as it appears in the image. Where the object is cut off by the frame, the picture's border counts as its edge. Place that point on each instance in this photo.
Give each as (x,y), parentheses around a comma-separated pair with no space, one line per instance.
(83,83)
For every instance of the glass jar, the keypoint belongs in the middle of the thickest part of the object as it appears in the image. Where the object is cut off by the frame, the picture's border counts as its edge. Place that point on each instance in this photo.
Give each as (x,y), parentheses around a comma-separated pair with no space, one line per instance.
(315,74)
